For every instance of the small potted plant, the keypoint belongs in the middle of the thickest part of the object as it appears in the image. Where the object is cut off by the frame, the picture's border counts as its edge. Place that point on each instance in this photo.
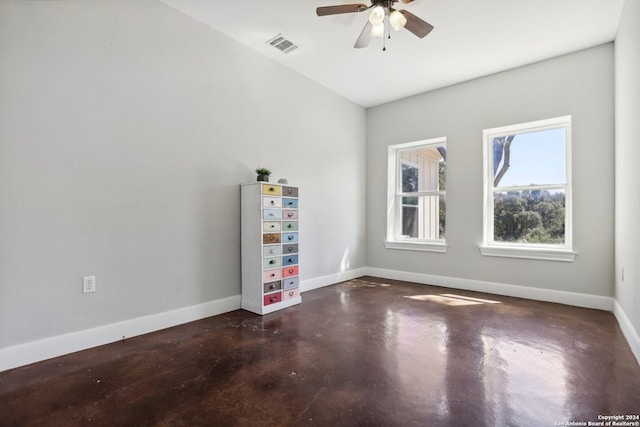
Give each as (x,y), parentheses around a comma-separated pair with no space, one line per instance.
(263,174)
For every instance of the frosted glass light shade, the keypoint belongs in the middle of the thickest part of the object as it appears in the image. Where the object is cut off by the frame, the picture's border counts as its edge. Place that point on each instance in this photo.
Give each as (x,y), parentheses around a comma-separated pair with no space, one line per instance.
(397,20)
(377,16)
(377,31)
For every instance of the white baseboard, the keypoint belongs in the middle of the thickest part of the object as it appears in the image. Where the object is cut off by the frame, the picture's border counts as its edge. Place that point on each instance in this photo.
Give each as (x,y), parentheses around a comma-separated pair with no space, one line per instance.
(36,351)
(627,330)
(47,348)
(539,294)
(331,279)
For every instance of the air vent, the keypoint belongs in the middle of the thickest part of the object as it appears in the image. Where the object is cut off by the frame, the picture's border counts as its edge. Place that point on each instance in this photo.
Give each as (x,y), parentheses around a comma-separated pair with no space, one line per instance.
(282,44)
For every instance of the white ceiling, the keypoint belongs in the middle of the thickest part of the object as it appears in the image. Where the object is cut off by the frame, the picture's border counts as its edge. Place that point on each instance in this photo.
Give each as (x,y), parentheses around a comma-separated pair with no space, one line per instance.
(471,38)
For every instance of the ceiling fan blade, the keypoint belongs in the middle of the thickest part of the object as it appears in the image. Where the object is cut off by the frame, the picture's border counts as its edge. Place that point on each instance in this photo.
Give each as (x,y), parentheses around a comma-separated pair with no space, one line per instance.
(416,25)
(334,10)
(365,37)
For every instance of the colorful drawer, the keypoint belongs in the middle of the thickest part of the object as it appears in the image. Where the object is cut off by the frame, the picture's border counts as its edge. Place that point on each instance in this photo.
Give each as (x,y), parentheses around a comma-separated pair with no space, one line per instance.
(274,250)
(289,214)
(290,248)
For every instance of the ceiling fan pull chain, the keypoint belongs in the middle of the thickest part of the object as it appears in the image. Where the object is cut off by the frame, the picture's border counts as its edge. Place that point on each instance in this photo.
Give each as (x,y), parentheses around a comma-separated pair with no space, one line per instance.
(386,28)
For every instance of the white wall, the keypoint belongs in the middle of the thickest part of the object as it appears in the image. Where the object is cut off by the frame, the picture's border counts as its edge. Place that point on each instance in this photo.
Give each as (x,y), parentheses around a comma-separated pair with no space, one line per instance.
(579,84)
(125,131)
(627,171)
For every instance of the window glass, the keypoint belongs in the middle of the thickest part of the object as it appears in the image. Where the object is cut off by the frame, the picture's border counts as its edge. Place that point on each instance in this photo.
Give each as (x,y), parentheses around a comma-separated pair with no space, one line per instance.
(530,158)
(536,216)
(410,177)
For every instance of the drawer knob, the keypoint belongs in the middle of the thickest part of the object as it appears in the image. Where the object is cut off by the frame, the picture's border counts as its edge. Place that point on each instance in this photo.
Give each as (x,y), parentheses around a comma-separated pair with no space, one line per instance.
(272,226)
(272,251)
(273,299)
(290,249)
(273,203)
(291,270)
(289,225)
(290,237)
(290,214)
(272,189)
(272,261)
(272,287)
(290,260)
(273,274)
(291,293)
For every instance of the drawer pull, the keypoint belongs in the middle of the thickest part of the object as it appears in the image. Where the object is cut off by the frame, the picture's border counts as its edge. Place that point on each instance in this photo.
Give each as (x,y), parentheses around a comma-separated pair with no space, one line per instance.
(291,293)
(272,287)
(273,299)
(272,251)
(272,189)
(273,203)
(290,260)
(272,226)
(272,261)
(273,274)
(289,225)
(290,214)
(290,237)
(291,270)
(272,238)
(290,249)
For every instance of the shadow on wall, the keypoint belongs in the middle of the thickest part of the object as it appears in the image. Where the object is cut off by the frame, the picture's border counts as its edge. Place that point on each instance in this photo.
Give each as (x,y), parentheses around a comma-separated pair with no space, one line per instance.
(218,234)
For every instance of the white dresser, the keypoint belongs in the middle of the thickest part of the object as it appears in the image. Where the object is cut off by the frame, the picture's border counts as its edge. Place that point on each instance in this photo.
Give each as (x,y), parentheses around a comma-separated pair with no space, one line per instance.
(269,240)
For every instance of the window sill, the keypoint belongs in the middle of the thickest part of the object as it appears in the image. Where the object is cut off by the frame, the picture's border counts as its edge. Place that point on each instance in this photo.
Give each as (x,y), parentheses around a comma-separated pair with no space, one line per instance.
(547,254)
(416,246)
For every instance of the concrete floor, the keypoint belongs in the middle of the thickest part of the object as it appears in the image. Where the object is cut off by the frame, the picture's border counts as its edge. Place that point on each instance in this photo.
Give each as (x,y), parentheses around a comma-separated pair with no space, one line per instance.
(367,352)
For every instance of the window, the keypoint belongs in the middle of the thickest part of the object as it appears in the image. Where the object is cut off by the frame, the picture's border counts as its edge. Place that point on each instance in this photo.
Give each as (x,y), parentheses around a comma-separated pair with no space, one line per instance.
(527,190)
(416,196)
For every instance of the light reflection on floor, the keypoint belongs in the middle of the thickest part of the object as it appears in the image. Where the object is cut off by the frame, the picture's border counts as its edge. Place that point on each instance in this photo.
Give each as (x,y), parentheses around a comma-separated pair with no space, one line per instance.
(516,372)
(452,299)
(421,375)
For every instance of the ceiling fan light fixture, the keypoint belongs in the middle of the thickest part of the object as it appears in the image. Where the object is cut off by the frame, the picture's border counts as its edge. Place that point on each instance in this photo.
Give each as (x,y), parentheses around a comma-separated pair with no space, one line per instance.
(377,16)
(397,20)
(377,30)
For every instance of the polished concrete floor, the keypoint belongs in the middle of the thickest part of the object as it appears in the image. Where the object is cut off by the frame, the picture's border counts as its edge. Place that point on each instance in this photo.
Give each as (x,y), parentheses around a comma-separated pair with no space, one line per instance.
(367,352)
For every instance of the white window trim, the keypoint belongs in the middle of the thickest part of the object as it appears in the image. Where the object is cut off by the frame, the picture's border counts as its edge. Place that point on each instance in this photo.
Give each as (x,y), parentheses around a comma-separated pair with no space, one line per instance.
(393,173)
(488,247)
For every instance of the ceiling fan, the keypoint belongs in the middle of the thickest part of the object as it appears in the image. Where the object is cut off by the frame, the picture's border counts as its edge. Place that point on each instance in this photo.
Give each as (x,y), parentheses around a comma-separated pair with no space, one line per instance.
(382,12)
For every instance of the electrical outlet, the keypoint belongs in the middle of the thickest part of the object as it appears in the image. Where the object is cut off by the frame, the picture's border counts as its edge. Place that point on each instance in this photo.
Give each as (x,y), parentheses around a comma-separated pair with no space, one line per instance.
(88,284)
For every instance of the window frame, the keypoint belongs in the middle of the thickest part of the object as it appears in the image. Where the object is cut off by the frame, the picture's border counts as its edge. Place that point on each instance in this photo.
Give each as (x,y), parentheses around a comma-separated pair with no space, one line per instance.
(394,193)
(552,252)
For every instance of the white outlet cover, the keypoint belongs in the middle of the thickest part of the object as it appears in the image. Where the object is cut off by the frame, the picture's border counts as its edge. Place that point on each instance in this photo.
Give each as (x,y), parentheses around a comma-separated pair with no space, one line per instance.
(88,284)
